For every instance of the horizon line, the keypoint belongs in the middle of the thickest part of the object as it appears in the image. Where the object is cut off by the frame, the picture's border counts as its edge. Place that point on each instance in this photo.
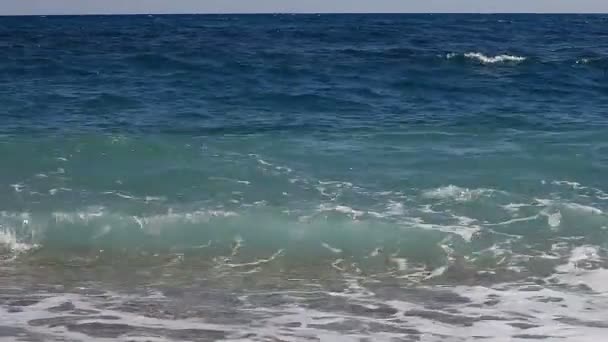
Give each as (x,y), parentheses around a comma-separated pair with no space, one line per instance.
(291,13)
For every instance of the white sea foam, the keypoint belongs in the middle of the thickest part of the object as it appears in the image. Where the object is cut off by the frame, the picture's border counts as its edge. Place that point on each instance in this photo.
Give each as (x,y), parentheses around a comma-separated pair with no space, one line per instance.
(582,269)
(154,224)
(466,231)
(54,191)
(451,55)
(18,187)
(331,248)
(119,194)
(568,206)
(154,198)
(583,208)
(258,262)
(554,219)
(584,61)
(546,314)
(428,209)
(582,189)
(401,263)
(437,272)
(465,220)
(338,264)
(353,213)
(494,59)
(515,220)
(395,208)
(377,251)
(505,312)
(514,207)
(485,59)
(573,185)
(230,180)
(376,214)
(85,215)
(339,184)
(284,168)
(457,193)
(10,242)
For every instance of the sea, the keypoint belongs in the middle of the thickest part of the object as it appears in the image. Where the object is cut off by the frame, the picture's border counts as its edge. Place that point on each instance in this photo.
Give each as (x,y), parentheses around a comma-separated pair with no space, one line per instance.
(377,177)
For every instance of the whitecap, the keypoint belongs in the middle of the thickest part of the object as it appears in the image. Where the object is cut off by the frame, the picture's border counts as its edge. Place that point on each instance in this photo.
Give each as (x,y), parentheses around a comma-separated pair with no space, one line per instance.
(485,59)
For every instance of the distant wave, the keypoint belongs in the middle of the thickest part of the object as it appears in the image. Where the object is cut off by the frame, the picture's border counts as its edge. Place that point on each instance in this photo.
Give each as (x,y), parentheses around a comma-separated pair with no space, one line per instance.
(485,59)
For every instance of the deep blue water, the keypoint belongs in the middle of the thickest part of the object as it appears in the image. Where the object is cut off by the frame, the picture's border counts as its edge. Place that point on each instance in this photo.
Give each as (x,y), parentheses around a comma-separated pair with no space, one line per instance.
(301,73)
(211,160)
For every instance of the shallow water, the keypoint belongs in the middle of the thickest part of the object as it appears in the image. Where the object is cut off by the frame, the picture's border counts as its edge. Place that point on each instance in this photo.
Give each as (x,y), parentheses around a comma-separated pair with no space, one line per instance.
(294,178)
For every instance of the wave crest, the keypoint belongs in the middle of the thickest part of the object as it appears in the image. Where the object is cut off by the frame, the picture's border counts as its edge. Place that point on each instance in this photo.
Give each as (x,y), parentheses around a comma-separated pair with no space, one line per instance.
(485,59)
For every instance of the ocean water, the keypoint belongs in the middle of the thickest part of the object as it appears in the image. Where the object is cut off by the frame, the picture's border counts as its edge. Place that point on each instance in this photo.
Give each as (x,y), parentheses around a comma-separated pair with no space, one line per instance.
(304,178)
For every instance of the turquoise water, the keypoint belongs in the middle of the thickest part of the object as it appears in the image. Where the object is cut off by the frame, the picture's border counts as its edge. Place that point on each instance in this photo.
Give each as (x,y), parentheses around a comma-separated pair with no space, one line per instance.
(350,177)
(283,191)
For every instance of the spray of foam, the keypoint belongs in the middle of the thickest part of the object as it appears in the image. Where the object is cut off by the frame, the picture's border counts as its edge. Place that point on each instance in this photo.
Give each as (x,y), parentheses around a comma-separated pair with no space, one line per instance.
(9,242)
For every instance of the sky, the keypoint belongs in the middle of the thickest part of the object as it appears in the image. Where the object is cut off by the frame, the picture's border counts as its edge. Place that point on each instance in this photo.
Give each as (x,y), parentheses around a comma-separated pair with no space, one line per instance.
(43,7)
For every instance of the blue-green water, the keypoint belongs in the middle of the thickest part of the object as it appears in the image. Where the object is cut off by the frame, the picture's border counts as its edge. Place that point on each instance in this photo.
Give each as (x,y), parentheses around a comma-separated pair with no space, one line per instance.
(368,157)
